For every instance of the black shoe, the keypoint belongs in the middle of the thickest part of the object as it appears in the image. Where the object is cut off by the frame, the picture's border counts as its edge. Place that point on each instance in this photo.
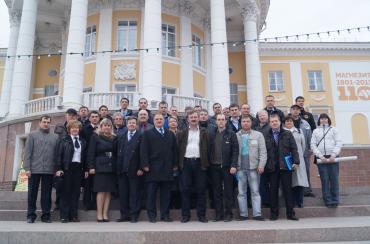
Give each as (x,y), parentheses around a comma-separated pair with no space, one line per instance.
(218,218)
(166,219)
(185,219)
(300,205)
(259,218)
(99,220)
(242,218)
(75,220)
(30,220)
(292,217)
(335,205)
(273,217)
(106,220)
(56,209)
(123,219)
(203,220)
(309,194)
(265,205)
(228,218)
(134,220)
(46,220)
(64,221)
(152,220)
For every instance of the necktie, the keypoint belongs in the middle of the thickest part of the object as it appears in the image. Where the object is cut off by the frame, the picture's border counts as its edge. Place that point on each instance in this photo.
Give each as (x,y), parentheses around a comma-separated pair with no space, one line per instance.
(276,137)
(130,136)
(161,130)
(77,145)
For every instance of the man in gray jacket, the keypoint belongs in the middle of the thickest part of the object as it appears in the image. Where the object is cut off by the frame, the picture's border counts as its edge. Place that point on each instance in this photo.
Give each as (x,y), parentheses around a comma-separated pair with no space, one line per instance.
(251,164)
(39,163)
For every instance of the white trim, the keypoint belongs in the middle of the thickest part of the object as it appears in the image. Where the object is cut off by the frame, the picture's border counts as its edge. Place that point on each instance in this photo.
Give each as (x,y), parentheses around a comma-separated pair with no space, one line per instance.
(90,59)
(38,90)
(200,70)
(20,142)
(125,56)
(172,60)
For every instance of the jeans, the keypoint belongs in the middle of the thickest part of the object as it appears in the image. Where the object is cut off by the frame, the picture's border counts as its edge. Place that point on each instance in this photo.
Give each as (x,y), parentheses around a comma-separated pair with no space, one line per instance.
(251,178)
(329,175)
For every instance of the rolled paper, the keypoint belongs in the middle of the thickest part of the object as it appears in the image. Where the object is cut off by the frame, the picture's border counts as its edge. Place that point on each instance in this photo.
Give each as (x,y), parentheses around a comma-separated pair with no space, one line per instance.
(341,159)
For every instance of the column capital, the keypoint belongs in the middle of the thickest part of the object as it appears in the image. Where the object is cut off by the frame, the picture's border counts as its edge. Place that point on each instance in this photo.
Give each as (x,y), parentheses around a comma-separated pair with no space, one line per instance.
(15,17)
(249,10)
(186,8)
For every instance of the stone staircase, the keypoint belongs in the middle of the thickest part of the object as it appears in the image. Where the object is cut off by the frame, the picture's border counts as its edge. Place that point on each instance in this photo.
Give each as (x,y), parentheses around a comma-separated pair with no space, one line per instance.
(349,222)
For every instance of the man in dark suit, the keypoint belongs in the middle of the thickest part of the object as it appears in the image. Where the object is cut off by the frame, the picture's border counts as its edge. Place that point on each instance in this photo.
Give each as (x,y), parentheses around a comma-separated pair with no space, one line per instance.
(280,144)
(234,122)
(159,160)
(89,197)
(124,108)
(129,172)
(193,162)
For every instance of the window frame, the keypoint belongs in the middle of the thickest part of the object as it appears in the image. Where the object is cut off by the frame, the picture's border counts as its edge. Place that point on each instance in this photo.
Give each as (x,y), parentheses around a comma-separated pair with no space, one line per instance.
(276,79)
(316,84)
(127,37)
(165,50)
(197,50)
(90,37)
(234,96)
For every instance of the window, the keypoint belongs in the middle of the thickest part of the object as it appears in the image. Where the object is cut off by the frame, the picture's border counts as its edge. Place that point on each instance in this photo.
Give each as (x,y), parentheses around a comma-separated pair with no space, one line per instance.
(90,43)
(234,93)
(197,51)
(126,35)
(167,91)
(197,95)
(315,82)
(87,89)
(51,90)
(125,87)
(276,82)
(168,40)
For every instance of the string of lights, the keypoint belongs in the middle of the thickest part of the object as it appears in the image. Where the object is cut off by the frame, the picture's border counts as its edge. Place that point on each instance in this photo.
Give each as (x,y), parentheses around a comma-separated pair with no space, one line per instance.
(294,37)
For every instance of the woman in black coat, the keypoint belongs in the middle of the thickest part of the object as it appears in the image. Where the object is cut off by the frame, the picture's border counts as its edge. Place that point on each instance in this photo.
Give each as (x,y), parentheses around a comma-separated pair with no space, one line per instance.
(102,163)
(71,164)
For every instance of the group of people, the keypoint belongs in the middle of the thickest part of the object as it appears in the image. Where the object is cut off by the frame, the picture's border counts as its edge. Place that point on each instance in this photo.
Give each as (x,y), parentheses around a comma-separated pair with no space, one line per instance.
(193,157)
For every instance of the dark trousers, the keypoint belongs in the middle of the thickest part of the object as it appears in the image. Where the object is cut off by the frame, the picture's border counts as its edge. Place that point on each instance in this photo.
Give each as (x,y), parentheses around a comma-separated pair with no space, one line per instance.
(222,184)
(89,196)
(129,195)
(285,178)
(193,177)
(265,188)
(329,175)
(33,188)
(70,192)
(298,192)
(165,196)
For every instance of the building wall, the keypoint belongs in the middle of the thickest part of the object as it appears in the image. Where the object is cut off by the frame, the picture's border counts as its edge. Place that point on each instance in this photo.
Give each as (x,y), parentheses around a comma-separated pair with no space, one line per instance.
(43,67)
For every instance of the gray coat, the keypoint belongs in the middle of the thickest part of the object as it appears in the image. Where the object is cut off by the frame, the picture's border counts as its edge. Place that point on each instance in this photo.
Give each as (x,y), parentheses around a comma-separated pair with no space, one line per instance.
(257,149)
(40,152)
(307,132)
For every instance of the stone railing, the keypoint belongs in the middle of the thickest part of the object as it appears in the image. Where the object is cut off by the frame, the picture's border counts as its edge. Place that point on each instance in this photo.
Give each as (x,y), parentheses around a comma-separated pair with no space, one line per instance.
(43,105)
(94,100)
(182,102)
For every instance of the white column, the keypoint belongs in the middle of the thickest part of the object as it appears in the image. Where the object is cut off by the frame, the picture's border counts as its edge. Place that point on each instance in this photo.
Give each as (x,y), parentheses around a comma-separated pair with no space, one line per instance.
(22,75)
(186,71)
(296,79)
(15,19)
(152,60)
(74,69)
(103,60)
(220,62)
(252,58)
(208,59)
(140,84)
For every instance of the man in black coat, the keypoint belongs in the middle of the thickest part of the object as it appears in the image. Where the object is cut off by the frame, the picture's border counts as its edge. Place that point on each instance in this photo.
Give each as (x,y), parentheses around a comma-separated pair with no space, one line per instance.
(271,109)
(89,197)
(305,114)
(224,152)
(159,160)
(129,172)
(234,122)
(280,144)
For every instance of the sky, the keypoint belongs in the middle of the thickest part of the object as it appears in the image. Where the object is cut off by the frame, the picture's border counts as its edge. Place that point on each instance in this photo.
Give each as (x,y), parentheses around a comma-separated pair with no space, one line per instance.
(289,17)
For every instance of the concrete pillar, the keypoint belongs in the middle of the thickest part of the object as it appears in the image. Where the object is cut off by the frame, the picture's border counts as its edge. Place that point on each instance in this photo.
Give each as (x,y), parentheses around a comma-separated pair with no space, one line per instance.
(152,59)
(21,85)
(186,71)
(220,62)
(75,64)
(250,15)
(15,20)
(103,60)
(208,58)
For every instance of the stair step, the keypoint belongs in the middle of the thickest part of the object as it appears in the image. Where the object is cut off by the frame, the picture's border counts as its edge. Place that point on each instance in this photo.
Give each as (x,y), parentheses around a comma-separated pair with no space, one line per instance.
(342,229)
